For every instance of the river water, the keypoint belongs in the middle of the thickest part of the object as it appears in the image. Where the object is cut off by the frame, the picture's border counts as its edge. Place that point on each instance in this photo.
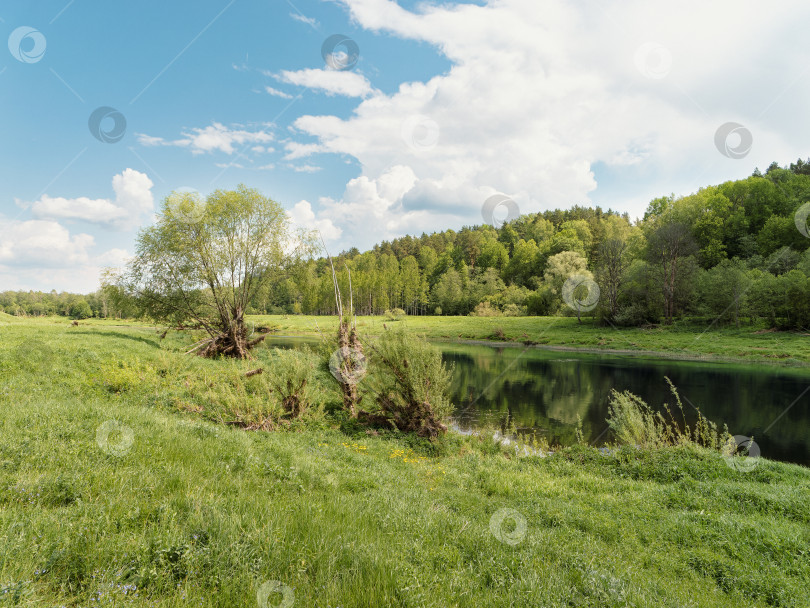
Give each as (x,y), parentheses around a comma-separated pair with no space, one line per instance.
(545,392)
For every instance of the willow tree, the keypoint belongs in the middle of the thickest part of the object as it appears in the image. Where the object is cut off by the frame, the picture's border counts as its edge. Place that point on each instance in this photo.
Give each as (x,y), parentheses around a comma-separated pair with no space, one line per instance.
(201,263)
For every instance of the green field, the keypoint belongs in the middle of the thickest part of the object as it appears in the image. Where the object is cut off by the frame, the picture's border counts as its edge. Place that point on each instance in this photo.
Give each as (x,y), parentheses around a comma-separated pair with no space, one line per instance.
(693,340)
(120,485)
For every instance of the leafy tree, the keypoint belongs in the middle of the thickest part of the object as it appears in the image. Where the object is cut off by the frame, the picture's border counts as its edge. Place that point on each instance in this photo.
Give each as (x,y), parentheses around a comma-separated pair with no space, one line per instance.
(561,267)
(523,264)
(724,289)
(80,309)
(202,263)
(669,246)
(612,265)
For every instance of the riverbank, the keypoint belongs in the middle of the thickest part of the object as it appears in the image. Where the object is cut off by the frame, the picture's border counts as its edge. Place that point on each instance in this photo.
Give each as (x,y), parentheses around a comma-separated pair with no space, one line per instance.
(693,341)
(117,488)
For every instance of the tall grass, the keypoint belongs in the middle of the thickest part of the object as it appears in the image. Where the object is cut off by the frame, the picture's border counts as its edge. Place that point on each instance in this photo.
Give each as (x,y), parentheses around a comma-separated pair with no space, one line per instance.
(633,422)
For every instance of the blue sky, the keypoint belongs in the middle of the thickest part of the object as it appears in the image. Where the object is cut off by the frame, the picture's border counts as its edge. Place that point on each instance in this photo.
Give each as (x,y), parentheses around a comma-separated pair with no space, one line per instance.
(552,103)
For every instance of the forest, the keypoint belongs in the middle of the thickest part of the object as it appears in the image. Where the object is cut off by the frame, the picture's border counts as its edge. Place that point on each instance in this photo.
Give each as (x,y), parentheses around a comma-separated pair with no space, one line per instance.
(735,252)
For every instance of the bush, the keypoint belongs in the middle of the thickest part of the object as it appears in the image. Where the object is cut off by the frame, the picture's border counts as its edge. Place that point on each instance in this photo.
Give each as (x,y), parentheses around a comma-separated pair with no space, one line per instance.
(395,314)
(485,309)
(513,310)
(540,303)
(291,379)
(411,385)
(631,315)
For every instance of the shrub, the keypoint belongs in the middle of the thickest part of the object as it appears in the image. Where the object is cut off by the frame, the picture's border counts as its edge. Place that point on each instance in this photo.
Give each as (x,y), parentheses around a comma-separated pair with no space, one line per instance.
(291,378)
(631,315)
(513,310)
(395,314)
(485,309)
(411,385)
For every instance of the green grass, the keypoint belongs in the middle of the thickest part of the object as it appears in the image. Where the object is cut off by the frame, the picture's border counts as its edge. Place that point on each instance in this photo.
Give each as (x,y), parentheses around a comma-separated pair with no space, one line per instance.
(684,340)
(198,513)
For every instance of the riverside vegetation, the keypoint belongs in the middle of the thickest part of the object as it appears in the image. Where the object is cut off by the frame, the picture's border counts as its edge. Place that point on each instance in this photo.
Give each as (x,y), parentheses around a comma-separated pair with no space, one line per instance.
(128,478)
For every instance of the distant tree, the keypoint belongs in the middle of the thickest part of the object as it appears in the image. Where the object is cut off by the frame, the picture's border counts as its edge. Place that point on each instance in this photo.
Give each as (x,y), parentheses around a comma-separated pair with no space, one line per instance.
(724,289)
(612,265)
(447,293)
(80,309)
(563,266)
(668,247)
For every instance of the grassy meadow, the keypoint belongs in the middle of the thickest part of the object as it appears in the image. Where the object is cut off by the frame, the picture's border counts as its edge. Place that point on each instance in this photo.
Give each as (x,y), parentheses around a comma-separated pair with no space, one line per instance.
(129,476)
(683,340)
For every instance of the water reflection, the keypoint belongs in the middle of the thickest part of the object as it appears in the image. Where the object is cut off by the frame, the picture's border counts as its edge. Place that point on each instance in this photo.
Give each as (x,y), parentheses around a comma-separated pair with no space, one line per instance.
(544,392)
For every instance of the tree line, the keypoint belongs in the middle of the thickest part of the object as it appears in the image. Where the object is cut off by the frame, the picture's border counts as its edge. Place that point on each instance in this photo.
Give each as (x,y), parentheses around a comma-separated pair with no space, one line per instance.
(734,252)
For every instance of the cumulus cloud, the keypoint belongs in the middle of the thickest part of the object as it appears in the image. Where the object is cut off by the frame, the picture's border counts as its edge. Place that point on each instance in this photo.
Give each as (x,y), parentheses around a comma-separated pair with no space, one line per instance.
(213,137)
(42,254)
(44,244)
(302,216)
(331,82)
(133,200)
(538,101)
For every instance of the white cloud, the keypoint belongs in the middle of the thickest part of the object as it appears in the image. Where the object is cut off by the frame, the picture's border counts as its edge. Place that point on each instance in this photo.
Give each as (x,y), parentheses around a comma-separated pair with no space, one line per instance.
(305,168)
(133,199)
(43,255)
(213,137)
(302,216)
(277,93)
(332,82)
(44,244)
(538,99)
(310,21)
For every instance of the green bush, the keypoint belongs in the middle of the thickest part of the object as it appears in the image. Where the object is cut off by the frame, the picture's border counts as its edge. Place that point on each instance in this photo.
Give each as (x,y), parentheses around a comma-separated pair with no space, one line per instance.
(411,384)
(485,309)
(291,379)
(395,314)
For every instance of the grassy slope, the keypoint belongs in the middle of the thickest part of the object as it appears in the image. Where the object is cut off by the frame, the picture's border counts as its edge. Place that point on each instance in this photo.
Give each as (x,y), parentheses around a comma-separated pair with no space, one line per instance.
(201,514)
(694,340)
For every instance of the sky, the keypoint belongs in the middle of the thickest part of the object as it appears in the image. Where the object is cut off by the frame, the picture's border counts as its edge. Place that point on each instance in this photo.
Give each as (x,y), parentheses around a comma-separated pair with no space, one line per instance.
(372,119)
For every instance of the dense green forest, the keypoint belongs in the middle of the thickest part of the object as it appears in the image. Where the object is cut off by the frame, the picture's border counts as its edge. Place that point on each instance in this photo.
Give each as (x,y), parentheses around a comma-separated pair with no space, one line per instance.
(732,251)
(736,252)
